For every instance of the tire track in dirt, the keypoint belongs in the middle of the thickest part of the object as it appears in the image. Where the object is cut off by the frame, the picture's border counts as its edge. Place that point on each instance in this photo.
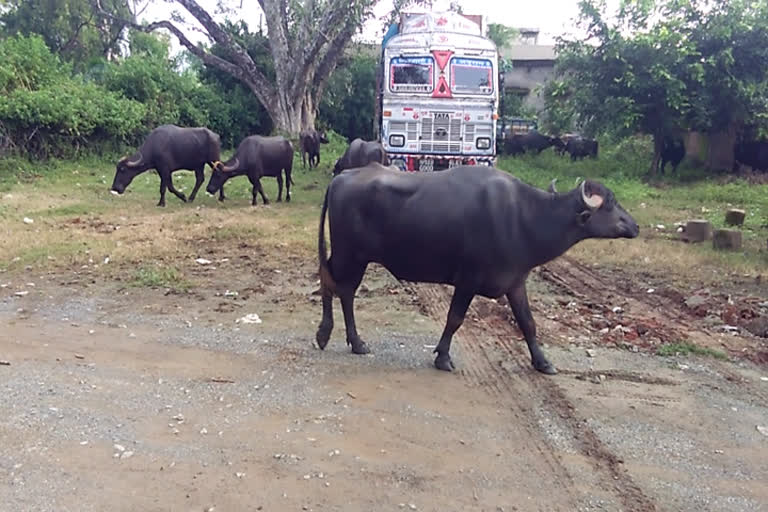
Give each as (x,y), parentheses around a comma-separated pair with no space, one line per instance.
(583,283)
(496,359)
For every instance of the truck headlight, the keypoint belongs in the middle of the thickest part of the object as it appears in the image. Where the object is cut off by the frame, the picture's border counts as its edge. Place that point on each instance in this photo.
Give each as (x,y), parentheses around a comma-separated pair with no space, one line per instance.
(397,141)
(483,143)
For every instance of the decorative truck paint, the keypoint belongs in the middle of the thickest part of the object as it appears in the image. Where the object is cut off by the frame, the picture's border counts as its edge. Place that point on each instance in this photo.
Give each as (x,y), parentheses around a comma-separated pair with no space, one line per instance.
(438,92)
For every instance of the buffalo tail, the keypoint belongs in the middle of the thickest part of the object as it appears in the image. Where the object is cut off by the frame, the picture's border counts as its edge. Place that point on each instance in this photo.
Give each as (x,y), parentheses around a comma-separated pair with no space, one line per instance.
(327,284)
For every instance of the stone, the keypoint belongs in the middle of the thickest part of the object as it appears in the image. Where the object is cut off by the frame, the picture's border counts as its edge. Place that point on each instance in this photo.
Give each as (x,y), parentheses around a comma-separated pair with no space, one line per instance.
(726,239)
(697,230)
(735,217)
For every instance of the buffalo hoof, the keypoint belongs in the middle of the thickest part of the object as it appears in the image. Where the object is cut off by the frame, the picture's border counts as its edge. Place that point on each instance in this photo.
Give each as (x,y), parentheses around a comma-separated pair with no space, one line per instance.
(443,362)
(359,347)
(287,199)
(222,198)
(322,336)
(161,204)
(545,367)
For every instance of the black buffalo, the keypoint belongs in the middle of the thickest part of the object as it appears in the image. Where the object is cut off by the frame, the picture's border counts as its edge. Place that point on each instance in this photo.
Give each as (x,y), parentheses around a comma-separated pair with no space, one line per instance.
(257,156)
(359,154)
(580,147)
(531,141)
(673,151)
(753,153)
(309,142)
(169,148)
(473,227)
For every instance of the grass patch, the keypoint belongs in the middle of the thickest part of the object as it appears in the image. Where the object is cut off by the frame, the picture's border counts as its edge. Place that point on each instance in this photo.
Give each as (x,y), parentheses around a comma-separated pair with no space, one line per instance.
(685,348)
(159,277)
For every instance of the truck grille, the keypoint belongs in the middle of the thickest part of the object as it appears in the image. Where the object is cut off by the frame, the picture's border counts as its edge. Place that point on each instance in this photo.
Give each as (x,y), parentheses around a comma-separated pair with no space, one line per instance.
(411,129)
(441,135)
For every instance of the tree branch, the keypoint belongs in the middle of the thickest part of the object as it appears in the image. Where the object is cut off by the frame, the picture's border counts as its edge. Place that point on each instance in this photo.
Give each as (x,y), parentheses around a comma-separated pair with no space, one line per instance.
(244,69)
(330,60)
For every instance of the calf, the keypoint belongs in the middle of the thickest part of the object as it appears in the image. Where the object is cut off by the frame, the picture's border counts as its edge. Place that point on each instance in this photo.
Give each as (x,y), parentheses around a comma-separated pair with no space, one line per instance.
(309,142)
(473,227)
(361,153)
(169,148)
(257,156)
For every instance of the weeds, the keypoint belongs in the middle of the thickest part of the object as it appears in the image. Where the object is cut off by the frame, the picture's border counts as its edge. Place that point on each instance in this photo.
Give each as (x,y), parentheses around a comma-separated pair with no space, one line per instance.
(685,348)
(159,277)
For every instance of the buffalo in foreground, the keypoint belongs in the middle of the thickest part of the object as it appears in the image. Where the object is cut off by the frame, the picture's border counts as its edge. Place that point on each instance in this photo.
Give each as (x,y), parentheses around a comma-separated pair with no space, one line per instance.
(169,148)
(359,154)
(257,156)
(309,144)
(473,227)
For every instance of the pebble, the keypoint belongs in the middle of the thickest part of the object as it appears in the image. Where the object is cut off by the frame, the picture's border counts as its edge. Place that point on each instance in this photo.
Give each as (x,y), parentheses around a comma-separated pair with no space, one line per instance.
(126,455)
(27,220)
(119,448)
(203,431)
(239,475)
(763,430)
(590,352)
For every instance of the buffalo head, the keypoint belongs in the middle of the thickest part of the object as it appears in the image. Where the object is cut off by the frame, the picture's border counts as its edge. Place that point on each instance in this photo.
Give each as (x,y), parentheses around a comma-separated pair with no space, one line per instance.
(125,172)
(599,215)
(322,138)
(221,173)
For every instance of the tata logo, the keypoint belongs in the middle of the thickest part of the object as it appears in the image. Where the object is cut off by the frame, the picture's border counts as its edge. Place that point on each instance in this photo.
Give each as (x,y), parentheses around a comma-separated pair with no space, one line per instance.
(442,116)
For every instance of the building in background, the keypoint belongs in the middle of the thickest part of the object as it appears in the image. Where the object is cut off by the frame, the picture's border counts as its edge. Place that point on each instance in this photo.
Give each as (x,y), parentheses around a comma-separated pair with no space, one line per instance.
(533,65)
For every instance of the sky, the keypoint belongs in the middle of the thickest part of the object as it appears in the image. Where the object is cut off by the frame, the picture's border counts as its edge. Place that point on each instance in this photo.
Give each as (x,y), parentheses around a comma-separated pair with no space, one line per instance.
(551,17)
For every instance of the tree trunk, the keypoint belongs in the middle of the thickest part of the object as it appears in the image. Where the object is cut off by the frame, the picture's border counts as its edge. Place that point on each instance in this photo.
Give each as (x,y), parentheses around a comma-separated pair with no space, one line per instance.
(658,145)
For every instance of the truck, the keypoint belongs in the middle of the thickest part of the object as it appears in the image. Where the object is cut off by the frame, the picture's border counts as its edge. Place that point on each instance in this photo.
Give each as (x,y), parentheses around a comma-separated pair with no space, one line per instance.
(438,92)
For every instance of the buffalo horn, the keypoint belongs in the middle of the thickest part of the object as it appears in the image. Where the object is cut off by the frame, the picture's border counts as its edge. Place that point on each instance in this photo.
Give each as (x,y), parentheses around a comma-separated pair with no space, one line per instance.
(552,186)
(232,167)
(137,162)
(594,201)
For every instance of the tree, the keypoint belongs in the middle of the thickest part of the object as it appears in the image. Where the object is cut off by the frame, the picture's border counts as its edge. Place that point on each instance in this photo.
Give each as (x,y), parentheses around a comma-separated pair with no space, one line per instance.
(501,35)
(70,28)
(662,67)
(306,39)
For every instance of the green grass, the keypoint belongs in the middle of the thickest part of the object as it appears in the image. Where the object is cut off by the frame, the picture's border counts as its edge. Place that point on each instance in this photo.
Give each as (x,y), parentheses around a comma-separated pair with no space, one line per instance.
(685,348)
(159,277)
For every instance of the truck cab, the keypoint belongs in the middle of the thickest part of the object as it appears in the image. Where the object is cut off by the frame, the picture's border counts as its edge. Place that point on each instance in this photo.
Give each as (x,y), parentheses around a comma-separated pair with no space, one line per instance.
(439,92)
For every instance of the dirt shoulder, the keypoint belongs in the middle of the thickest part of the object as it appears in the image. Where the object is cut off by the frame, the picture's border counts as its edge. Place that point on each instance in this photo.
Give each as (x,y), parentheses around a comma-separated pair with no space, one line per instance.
(157,399)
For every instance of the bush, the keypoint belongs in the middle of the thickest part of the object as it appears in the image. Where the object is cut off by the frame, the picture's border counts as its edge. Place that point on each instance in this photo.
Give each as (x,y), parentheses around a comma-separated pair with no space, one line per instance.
(44,111)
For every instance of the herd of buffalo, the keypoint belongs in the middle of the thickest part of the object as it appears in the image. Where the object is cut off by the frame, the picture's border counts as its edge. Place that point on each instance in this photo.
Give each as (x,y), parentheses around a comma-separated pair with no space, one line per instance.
(752,153)
(475,227)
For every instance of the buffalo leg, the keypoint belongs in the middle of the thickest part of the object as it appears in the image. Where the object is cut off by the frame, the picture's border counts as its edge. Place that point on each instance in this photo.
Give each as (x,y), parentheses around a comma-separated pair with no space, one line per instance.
(163,186)
(280,186)
(326,324)
(288,185)
(518,301)
(353,275)
(199,179)
(459,305)
(173,189)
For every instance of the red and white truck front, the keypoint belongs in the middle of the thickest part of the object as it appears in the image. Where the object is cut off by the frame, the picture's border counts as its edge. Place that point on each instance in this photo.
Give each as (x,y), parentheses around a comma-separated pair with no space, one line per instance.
(440,93)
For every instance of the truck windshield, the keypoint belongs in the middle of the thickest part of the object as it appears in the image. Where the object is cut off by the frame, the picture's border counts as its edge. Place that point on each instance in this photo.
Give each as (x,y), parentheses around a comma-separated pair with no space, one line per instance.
(411,74)
(471,76)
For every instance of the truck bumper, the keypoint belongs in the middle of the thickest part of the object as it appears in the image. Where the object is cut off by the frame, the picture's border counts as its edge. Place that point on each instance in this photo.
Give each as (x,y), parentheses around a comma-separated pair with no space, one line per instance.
(427,163)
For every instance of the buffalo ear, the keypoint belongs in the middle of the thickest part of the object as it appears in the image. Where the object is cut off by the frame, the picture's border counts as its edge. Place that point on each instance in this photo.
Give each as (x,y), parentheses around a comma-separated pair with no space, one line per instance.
(584,217)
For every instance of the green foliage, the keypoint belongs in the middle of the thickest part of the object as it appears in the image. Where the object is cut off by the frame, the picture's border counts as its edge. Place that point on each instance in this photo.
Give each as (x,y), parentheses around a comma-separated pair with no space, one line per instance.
(72,29)
(157,276)
(45,110)
(501,35)
(685,348)
(663,66)
(349,99)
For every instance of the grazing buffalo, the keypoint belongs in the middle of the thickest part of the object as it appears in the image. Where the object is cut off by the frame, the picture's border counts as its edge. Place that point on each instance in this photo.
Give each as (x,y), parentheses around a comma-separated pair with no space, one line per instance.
(257,156)
(560,148)
(484,241)
(531,141)
(673,152)
(309,142)
(169,148)
(579,147)
(359,154)
(752,153)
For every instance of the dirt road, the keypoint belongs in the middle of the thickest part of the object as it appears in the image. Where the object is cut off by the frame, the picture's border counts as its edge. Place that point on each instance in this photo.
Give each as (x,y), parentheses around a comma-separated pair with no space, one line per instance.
(142,399)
